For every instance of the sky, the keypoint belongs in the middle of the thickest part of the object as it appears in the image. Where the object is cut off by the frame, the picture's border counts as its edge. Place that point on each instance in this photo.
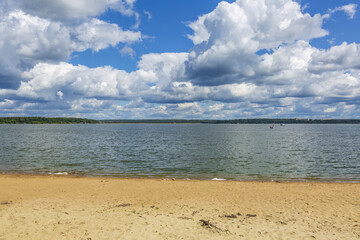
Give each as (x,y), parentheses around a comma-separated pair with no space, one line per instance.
(180,59)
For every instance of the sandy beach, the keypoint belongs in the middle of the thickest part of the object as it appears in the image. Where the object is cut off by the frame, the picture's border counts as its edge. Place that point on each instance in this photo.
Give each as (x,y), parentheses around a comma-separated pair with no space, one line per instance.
(65,207)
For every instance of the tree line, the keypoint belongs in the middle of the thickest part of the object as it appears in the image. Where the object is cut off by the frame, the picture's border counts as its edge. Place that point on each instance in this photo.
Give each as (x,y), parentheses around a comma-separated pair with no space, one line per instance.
(242,121)
(45,120)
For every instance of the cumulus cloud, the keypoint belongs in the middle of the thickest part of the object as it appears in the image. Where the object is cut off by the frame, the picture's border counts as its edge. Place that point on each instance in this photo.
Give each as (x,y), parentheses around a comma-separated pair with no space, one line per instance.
(167,67)
(26,40)
(45,81)
(342,57)
(227,39)
(84,104)
(249,59)
(98,35)
(61,10)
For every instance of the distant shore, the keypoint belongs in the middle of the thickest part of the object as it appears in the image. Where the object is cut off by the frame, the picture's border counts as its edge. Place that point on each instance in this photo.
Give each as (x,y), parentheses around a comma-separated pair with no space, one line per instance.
(66,207)
(283,121)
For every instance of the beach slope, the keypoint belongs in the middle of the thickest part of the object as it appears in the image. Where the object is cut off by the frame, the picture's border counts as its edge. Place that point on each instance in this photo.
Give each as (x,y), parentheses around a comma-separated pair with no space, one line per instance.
(54,207)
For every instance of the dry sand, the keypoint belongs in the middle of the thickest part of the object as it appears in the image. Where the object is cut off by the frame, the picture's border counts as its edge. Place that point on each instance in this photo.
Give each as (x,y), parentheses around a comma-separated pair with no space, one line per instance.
(50,207)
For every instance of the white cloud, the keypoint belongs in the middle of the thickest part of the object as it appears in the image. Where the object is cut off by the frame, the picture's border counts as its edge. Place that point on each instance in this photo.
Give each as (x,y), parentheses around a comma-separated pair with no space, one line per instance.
(128,51)
(86,104)
(337,85)
(136,103)
(27,40)
(167,67)
(157,81)
(60,94)
(6,104)
(98,35)
(250,59)
(342,57)
(46,80)
(65,10)
(227,39)
(254,25)
(193,106)
(330,110)
(126,8)
(350,10)
(148,15)
(51,82)
(216,107)
(285,63)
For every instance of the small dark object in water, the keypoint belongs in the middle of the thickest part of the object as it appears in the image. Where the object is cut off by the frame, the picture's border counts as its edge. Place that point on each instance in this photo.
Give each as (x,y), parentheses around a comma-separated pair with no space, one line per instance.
(251,215)
(124,205)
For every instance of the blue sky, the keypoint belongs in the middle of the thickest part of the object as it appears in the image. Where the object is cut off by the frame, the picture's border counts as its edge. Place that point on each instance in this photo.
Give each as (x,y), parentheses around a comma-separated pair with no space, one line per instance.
(204,59)
(166,31)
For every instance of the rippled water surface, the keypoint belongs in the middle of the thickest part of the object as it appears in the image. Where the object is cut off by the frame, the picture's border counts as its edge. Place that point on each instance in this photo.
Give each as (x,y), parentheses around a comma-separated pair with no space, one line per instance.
(205,151)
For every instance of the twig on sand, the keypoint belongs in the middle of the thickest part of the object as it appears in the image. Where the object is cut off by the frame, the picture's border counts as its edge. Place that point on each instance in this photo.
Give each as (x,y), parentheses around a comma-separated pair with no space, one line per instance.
(5,202)
(194,212)
(209,225)
(123,205)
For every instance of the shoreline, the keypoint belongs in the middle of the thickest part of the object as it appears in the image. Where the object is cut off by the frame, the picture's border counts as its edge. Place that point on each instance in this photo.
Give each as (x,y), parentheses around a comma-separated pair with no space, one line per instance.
(73,207)
(72,120)
(160,177)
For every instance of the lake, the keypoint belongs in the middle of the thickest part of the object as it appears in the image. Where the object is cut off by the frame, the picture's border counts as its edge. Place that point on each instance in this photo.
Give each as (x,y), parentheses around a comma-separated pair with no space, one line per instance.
(307,152)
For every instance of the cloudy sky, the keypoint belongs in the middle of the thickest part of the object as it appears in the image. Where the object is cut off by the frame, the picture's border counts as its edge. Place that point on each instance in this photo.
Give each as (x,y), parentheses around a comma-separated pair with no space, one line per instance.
(208,59)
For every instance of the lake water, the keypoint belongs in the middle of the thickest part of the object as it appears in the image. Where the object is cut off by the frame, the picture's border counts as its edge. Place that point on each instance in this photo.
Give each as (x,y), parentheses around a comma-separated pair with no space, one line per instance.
(195,151)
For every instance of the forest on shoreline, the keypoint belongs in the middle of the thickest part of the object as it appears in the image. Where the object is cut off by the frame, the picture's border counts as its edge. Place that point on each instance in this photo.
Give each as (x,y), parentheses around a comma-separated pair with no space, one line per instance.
(45,120)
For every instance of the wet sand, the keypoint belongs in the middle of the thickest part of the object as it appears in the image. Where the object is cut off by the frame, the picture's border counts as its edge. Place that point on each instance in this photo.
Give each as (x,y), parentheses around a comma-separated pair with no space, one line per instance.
(64,207)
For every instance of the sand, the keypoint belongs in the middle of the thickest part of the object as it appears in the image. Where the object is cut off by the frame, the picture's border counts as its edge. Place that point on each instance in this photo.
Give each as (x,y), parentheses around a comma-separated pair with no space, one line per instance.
(54,207)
